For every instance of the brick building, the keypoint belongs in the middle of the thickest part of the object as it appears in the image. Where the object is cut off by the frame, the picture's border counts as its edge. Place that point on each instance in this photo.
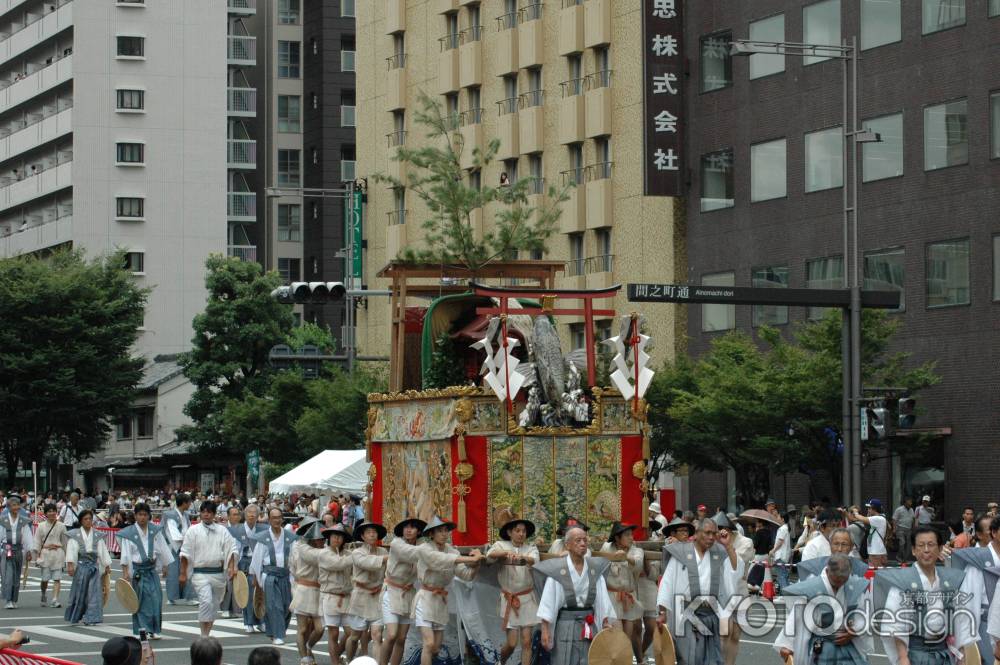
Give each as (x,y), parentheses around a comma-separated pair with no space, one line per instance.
(765,202)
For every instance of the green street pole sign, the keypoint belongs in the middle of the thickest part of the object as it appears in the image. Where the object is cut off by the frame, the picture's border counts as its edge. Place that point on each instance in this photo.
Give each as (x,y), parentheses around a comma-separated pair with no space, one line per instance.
(353,235)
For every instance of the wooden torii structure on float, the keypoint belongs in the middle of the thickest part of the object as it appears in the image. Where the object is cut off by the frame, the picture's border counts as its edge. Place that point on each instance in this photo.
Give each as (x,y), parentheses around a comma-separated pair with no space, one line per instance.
(548,298)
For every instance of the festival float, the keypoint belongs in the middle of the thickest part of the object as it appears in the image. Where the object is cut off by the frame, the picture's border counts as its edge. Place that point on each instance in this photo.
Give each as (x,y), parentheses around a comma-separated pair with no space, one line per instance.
(527,433)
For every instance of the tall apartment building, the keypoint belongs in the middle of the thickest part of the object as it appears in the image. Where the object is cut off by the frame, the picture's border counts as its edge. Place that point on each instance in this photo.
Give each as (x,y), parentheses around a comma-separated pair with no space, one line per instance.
(330,118)
(559,85)
(112,135)
(277,232)
(764,139)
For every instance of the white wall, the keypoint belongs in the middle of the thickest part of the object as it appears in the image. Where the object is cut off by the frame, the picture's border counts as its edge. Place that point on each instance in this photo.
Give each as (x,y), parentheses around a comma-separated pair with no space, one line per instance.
(184,130)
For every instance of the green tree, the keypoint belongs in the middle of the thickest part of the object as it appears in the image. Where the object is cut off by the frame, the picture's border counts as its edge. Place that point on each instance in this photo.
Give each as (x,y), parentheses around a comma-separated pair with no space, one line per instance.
(436,175)
(337,415)
(310,333)
(66,369)
(733,406)
(267,422)
(232,340)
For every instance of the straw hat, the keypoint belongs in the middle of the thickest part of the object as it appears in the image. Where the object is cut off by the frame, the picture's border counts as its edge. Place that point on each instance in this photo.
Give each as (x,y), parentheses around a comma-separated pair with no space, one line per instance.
(610,647)
(412,521)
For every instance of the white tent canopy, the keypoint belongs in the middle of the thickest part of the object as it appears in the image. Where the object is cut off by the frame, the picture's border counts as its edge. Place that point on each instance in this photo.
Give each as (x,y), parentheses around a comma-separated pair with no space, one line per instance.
(330,472)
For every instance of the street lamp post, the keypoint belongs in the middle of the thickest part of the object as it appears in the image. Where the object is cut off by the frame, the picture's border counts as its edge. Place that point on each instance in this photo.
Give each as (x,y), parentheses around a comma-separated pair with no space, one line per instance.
(850,340)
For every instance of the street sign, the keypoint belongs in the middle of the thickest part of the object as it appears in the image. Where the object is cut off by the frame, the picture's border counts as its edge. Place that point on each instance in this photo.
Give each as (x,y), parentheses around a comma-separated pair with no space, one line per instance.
(253,465)
(353,235)
(864,424)
(742,295)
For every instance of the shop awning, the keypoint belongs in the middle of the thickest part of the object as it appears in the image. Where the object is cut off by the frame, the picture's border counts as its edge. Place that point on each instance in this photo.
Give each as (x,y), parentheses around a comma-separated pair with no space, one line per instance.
(330,472)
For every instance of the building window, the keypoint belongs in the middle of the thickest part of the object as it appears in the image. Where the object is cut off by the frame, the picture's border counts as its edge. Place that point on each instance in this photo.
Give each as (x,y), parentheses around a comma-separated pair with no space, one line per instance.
(129,207)
(288,60)
(288,167)
(348,163)
(605,259)
(825,273)
(131,47)
(994,8)
(884,271)
(144,423)
(771,29)
(398,213)
(995,124)
(348,109)
(718,317)
(289,223)
(946,135)
(289,270)
(130,153)
(289,113)
(767,171)
(577,336)
(510,169)
(576,257)
(130,100)
(123,428)
(996,267)
(135,262)
(717,189)
(883,159)
(347,7)
(288,12)
(943,14)
(772,277)
(716,63)
(821,25)
(880,22)
(948,273)
(824,159)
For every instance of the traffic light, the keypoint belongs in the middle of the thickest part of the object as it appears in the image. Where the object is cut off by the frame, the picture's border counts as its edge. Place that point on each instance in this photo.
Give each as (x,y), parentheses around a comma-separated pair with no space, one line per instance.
(878,423)
(907,412)
(309,292)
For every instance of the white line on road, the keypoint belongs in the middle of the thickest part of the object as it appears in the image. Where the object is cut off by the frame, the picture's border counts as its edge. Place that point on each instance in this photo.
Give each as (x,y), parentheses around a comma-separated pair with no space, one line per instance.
(63,634)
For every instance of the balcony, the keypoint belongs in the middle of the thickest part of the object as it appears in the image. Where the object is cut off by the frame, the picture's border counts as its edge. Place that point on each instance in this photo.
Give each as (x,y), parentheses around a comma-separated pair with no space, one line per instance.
(536,191)
(574,211)
(242,51)
(600,196)
(38,132)
(507,131)
(531,122)
(395,234)
(246,253)
(242,154)
(242,102)
(445,6)
(49,180)
(470,57)
(506,60)
(242,7)
(395,89)
(348,170)
(571,111)
(32,239)
(571,27)
(395,16)
(38,28)
(242,206)
(530,46)
(40,81)
(471,123)
(448,65)
(597,23)
(598,94)
(348,116)
(599,271)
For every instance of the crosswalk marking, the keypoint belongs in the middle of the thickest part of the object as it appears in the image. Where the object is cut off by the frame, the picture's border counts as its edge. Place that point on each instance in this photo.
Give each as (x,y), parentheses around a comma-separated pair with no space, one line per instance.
(69,635)
(195,630)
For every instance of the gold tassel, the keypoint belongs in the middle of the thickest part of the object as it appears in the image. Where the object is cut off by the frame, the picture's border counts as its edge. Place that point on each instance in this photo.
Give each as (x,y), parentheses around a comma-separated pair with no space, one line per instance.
(460,430)
(461,515)
(645,510)
(645,444)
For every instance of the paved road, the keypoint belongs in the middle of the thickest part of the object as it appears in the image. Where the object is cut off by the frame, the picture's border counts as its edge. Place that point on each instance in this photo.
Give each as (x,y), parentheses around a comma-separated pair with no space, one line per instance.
(51,636)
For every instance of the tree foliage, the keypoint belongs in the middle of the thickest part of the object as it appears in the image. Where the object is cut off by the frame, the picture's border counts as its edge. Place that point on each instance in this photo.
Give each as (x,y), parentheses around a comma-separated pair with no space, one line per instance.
(435,174)
(337,415)
(232,340)
(66,368)
(735,406)
(312,334)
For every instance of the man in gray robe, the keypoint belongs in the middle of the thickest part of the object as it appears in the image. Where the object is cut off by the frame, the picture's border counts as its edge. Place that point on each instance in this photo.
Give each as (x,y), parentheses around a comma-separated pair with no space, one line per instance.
(17,546)
(575,604)
(981,565)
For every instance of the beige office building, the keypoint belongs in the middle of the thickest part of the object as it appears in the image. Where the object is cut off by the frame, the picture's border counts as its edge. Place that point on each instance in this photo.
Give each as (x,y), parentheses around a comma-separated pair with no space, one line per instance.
(560,84)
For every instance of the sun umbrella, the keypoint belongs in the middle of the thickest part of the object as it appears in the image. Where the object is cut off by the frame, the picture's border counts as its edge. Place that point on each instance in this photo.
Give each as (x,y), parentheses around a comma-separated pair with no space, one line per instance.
(757,514)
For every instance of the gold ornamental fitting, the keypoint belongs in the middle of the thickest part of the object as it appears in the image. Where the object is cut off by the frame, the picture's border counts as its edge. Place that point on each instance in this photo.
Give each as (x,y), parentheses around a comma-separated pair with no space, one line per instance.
(463,410)
(464,471)
(548,303)
(639,469)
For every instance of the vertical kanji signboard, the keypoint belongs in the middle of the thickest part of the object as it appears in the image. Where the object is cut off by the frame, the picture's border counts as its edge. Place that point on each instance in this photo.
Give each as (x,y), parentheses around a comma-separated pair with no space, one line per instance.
(663,76)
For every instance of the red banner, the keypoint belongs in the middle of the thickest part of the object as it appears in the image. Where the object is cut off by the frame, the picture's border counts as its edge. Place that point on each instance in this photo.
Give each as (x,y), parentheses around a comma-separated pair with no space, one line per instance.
(631,486)
(476,501)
